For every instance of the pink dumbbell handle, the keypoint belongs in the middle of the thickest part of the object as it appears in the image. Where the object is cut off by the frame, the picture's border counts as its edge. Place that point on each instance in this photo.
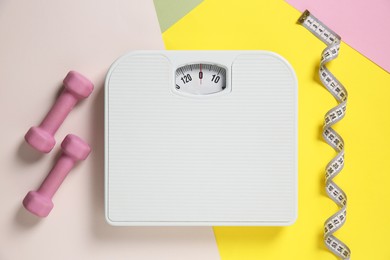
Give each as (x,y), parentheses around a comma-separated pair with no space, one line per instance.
(56,176)
(58,112)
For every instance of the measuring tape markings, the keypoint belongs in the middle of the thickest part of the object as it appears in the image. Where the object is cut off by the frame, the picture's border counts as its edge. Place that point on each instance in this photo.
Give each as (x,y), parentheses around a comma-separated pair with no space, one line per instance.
(334,167)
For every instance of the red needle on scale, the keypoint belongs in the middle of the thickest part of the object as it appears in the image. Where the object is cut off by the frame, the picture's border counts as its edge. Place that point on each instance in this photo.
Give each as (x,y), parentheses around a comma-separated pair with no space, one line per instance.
(201,73)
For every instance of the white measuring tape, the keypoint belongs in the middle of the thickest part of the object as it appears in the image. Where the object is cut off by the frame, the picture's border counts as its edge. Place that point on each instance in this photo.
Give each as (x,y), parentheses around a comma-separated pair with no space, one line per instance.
(337,220)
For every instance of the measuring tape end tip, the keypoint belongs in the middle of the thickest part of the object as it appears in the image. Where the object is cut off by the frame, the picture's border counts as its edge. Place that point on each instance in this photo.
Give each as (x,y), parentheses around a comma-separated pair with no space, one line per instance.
(304,16)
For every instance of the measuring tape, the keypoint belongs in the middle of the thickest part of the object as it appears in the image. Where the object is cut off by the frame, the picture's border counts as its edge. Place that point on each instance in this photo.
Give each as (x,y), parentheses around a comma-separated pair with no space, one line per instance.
(337,220)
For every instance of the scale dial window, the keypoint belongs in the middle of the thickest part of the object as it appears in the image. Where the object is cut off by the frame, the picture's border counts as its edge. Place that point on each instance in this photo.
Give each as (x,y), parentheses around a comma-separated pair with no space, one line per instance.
(200,79)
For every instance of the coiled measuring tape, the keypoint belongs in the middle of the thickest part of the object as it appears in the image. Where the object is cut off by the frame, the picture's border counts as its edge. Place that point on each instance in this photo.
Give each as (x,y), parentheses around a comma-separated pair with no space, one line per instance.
(334,167)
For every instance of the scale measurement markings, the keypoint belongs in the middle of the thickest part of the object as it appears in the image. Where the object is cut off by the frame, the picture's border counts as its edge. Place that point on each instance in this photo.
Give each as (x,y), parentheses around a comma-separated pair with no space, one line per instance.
(200,78)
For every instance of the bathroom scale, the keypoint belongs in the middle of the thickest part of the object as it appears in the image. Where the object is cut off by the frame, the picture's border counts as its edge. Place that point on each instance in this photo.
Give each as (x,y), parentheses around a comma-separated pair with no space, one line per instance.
(201,138)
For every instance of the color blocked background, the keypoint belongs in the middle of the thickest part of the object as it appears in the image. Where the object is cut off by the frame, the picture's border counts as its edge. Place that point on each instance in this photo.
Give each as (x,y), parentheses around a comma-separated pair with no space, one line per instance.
(271,25)
(40,42)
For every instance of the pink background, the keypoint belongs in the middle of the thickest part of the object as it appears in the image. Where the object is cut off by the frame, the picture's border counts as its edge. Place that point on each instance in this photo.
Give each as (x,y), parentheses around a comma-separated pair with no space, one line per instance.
(40,42)
(362,24)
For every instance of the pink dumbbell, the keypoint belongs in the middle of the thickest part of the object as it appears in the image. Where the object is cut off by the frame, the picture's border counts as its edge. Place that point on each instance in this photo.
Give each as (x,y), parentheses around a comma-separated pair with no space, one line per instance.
(40,202)
(77,87)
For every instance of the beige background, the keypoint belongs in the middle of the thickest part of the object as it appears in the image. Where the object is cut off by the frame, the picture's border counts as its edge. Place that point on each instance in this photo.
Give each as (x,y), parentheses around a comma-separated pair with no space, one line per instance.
(40,42)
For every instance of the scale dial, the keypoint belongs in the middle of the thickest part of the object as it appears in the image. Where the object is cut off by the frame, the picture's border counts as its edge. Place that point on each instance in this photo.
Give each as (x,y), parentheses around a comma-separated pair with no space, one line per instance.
(200,79)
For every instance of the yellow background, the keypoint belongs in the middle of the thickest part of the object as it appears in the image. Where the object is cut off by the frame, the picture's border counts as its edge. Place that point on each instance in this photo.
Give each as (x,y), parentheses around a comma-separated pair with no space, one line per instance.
(271,25)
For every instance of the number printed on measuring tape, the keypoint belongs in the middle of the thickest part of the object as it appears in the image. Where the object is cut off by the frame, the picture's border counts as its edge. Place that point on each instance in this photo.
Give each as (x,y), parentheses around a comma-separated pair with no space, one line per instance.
(334,167)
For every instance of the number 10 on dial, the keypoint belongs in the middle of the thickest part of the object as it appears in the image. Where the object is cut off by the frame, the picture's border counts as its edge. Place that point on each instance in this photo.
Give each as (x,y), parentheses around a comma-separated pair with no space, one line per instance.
(200,79)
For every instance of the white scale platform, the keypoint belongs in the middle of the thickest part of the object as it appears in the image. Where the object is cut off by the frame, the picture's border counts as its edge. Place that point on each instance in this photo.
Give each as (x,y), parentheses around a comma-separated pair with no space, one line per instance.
(178,154)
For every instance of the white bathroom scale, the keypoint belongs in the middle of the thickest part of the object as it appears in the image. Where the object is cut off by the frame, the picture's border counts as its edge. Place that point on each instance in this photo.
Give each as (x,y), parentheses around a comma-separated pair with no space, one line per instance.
(201,138)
